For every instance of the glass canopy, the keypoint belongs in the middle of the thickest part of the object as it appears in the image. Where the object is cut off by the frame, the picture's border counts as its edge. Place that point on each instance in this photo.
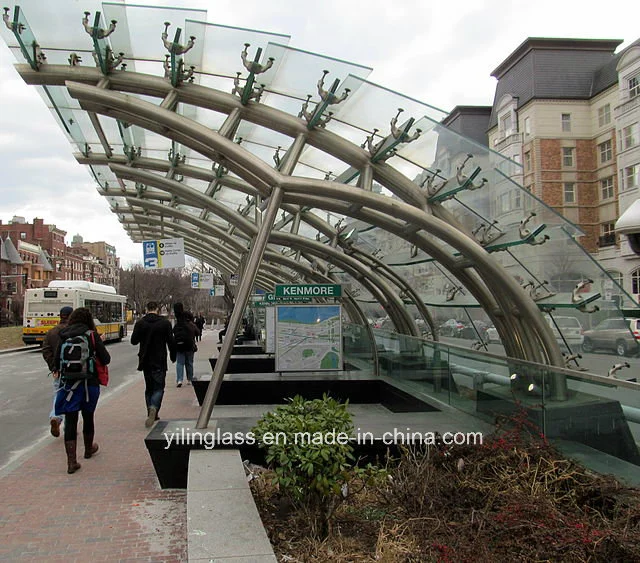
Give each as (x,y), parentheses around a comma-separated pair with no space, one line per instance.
(187,127)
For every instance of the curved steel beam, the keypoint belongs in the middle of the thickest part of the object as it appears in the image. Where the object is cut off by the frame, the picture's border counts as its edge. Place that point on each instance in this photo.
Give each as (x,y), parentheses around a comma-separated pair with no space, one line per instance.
(257,173)
(372,282)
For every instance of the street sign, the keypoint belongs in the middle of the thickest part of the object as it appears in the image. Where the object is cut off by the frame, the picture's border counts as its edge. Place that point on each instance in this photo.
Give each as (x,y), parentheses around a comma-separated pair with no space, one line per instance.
(217,291)
(166,253)
(309,290)
(233,280)
(201,280)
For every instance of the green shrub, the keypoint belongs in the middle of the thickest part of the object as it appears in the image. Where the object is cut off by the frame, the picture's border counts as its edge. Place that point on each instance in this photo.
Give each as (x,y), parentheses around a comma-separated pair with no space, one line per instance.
(307,444)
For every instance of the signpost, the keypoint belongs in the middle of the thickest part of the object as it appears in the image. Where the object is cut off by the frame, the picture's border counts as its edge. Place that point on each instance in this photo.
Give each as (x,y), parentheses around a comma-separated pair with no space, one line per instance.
(165,253)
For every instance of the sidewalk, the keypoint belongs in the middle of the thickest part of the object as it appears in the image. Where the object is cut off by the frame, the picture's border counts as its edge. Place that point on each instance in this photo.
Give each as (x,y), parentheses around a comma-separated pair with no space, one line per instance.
(112,509)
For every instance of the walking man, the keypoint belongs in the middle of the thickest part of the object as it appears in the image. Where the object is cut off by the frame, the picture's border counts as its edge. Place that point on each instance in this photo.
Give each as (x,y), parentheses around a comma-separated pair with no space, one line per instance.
(49,347)
(200,322)
(155,336)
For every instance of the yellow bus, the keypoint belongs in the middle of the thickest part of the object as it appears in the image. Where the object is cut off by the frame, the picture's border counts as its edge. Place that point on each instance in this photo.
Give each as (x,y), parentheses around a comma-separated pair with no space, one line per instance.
(42,308)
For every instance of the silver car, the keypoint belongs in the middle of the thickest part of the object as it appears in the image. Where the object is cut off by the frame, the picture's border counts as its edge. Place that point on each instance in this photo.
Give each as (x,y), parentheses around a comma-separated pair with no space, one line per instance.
(570,328)
(622,336)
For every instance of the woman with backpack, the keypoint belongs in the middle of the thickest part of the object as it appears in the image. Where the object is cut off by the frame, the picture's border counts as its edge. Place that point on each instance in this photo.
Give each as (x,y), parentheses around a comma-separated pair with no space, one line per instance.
(185,332)
(80,346)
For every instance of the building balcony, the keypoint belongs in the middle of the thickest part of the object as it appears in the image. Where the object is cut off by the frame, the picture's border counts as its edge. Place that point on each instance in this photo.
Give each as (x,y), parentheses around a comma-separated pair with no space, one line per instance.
(627,106)
(505,141)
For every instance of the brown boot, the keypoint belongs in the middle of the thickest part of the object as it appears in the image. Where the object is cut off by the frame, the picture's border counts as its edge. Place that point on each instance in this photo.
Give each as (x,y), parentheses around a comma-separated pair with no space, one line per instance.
(72,462)
(151,417)
(90,448)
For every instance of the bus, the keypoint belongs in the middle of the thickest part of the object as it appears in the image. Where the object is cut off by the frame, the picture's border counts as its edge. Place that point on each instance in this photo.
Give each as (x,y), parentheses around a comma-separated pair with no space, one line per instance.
(42,308)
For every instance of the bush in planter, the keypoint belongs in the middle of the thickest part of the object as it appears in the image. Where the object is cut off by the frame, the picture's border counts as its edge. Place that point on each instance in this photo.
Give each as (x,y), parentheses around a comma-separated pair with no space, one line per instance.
(307,444)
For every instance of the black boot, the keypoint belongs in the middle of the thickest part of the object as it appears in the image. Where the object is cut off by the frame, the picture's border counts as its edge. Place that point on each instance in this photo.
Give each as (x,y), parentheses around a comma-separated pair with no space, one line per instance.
(72,461)
(89,447)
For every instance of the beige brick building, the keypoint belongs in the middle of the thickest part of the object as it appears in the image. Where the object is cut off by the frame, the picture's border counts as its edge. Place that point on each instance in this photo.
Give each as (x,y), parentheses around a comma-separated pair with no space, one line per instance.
(568,110)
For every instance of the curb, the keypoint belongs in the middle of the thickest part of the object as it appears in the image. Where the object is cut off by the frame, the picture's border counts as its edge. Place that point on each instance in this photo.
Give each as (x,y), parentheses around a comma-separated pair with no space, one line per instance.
(23,349)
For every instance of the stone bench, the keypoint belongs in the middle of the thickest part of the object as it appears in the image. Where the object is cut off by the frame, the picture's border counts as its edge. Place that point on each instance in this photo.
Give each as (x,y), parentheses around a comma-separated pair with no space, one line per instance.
(223,523)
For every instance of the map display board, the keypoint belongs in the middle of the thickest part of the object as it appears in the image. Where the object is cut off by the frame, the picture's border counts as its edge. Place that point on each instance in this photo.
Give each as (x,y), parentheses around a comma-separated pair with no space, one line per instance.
(308,337)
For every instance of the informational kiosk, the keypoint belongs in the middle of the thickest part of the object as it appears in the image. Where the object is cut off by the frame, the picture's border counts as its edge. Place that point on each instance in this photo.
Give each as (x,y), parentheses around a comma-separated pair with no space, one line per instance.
(308,336)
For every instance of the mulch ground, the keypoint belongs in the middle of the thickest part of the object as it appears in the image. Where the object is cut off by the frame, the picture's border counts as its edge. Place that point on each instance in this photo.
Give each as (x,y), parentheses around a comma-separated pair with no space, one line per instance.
(514,498)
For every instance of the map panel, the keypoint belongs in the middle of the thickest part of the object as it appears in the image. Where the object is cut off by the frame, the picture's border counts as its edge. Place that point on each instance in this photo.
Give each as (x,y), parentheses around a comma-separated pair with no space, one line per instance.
(309,337)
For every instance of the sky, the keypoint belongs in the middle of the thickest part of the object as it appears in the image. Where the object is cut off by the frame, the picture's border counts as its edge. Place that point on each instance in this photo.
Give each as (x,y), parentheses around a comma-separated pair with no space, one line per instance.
(441,53)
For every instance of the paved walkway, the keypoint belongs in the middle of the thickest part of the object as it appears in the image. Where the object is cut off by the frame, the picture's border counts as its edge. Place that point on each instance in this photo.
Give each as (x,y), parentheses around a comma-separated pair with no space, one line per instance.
(112,509)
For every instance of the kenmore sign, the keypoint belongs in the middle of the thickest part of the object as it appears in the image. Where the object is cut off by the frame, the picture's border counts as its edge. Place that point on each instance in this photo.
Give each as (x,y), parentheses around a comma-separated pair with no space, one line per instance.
(321,290)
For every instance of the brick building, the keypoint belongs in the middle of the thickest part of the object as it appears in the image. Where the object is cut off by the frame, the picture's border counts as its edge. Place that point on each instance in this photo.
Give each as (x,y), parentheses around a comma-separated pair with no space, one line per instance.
(568,110)
(32,254)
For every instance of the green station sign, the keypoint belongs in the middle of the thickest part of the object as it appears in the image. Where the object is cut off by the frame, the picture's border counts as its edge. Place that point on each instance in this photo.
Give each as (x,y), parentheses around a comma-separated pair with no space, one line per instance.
(308,290)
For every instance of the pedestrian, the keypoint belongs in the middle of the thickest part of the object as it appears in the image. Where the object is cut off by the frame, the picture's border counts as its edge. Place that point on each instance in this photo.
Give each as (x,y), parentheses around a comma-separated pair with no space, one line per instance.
(200,322)
(154,335)
(79,395)
(185,332)
(49,347)
(223,332)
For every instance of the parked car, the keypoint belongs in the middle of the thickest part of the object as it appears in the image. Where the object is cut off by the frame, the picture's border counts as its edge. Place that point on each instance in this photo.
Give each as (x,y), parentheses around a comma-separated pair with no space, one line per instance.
(452,327)
(492,335)
(475,330)
(384,323)
(570,328)
(622,336)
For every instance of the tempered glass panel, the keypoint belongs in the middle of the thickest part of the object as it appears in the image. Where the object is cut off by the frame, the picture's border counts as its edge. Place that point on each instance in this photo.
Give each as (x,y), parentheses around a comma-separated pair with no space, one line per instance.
(300,71)
(367,95)
(140,28)
(217,49)
(54,27)
(320,160)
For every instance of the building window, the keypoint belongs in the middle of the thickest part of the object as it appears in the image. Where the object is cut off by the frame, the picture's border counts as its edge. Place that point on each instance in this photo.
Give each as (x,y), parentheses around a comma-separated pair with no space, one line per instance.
(607,235)
(567,156)
(634,86)
(527,126)
(506,127)
(604,115)
(527,161)
(606,188)
(606,153)
(23,236)
(635,281)
(517,199)
(632,176)
(616,277)
(569,192)
(630,136)
(566,122)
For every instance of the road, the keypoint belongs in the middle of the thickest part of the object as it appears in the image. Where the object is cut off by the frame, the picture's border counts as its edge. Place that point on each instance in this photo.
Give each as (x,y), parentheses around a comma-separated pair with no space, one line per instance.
(26,396)
(599,363)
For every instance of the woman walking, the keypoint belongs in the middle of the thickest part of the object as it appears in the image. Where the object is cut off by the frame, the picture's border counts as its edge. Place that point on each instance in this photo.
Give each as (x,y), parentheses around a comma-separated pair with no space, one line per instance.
(79,386)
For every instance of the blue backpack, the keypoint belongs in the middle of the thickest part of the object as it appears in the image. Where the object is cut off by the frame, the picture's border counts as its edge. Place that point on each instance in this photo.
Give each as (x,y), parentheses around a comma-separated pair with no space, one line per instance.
(77,359)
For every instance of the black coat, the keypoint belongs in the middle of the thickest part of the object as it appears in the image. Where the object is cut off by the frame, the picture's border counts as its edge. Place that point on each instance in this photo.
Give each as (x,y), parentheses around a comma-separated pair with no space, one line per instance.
(155,336)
